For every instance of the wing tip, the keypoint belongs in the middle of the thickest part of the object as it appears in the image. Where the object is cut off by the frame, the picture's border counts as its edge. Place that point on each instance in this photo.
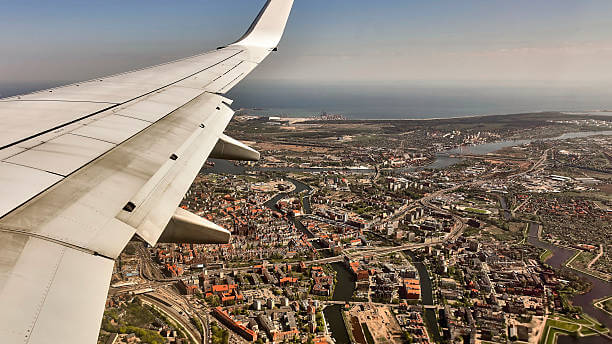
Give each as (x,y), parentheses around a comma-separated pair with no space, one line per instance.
(269,25)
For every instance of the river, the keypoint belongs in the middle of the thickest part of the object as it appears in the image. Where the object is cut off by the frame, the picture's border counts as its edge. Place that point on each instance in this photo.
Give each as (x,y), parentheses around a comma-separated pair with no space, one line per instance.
(426,295)
(600,288)
(343,291)
(505,210)
(345,284)
(442,160)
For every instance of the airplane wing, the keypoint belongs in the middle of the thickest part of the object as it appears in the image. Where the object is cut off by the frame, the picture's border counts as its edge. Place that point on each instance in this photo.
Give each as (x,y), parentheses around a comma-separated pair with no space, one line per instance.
(85,167)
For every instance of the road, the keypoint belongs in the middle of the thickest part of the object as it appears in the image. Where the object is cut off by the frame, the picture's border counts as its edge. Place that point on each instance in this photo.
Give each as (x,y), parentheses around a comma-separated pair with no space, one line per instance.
(187,307)
(150,269)
(455,232)
(535,166)
(174,313)
(353,303)
(513,211)
(181,309)
(601,252)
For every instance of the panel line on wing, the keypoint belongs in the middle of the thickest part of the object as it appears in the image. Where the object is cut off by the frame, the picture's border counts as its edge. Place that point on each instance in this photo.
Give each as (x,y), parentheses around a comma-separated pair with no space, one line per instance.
(5,229)
(93,138)
(228,48)
(32,167)
(231,82)
(226,72)
(58,127)
(58,100)
(116,105)
(132,117)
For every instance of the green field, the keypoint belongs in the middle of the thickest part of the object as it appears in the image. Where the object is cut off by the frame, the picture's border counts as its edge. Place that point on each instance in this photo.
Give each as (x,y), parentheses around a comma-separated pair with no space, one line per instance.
(582,327)
(545,255)
(552,334)
(585,331)
(476,211)
(605,304)
(367,333)
(562,325)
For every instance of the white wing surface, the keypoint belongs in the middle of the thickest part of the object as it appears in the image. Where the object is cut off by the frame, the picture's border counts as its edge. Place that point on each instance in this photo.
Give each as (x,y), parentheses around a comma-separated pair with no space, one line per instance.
(85,167)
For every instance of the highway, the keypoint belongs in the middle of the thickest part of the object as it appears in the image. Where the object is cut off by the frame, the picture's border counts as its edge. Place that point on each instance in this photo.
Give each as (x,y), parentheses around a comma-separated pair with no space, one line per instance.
(181,309)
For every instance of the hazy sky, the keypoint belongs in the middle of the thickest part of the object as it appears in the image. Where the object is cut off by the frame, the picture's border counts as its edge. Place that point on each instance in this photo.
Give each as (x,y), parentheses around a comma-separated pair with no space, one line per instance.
(326,40)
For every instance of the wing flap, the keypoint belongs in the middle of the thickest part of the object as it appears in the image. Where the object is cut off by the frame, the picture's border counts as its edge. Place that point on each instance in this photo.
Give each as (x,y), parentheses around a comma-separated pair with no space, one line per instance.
(38,280)
(82,209)
(154,204)
(63,151)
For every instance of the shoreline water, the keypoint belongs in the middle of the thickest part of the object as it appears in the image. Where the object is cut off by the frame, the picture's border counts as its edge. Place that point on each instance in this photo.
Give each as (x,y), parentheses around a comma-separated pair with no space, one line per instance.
(402,100)
(451,117)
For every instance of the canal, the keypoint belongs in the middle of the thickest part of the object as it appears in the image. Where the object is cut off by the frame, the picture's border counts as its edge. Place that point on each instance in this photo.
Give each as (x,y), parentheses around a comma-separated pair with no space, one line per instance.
(345,284)
(599,288)
(505,210)
(343,291)
(426,295)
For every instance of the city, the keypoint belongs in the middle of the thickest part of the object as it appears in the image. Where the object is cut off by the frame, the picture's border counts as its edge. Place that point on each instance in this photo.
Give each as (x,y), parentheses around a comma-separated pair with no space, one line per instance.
(353,232)
(336,172)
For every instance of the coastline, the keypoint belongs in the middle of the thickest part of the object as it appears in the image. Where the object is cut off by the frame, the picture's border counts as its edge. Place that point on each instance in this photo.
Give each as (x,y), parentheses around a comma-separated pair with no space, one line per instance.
(349,119)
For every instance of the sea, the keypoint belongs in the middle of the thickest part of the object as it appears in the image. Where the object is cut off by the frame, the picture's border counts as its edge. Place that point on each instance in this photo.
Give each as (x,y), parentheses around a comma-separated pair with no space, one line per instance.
(415,100)
(399,100)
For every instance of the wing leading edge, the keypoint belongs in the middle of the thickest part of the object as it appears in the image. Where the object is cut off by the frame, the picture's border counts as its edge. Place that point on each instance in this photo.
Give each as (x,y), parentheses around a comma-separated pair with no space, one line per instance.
(89,165)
